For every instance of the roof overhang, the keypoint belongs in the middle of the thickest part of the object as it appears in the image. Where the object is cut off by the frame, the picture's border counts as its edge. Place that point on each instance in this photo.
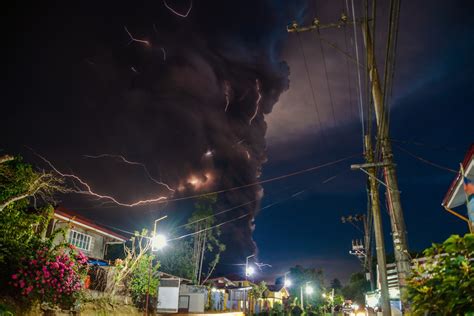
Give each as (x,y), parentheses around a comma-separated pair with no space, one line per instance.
(92,227)
(455,195)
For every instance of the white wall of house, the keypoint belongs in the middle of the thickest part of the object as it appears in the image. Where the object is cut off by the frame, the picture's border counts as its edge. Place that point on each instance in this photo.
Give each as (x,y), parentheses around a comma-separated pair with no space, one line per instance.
(97,242)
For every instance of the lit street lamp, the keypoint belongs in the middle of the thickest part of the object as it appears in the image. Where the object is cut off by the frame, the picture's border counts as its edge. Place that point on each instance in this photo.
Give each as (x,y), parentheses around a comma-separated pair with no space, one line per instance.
(249,270)
(287,282)
(158,242)
(308,290)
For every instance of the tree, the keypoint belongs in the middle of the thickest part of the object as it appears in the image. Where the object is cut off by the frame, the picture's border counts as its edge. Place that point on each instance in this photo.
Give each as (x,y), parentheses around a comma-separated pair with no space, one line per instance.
(205,238)
(19,182)
(142,282)
(140,245)
(24,212)
(300,277)
(336,284)
(356,288)
(444,283)
(255,293)
(179,260)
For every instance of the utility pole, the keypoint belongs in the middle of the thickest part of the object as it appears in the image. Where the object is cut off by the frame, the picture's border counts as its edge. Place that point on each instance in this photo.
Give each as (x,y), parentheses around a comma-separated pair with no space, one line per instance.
(366,249)
(373,187)
(393,194)
(377,218)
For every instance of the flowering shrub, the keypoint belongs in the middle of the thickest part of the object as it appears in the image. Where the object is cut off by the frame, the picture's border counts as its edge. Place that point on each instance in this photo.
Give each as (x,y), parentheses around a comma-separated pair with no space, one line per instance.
(51,276)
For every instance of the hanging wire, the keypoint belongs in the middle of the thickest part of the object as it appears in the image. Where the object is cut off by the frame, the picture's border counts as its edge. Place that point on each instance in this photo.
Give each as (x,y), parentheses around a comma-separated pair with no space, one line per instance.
(313,94)
(327,81)
(361,111)
(433,164)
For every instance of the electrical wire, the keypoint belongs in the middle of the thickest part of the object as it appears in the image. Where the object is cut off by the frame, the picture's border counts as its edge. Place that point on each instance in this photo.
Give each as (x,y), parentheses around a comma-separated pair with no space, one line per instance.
(313,94)
(361,111)
(425,160)
(441,148)
(331,102)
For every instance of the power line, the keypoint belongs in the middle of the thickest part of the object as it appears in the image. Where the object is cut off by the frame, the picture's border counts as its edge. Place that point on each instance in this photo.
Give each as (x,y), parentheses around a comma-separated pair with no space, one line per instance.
(425,160)
(327,81)
(441,148)
(265,181)
(361,111)
(313,94)
(255,183)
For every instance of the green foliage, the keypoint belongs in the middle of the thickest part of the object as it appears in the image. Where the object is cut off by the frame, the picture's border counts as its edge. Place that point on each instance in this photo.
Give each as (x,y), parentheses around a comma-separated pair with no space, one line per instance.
(356,288)
(299,276)
(277,309)
(257,290)
(178,260)
(141,282)
(444,283)
(15,177)
(21,226)
(207,240)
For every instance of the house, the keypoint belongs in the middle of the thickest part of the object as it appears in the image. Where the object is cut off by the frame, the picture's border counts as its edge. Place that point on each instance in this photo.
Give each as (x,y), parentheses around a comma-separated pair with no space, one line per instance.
(276,293)
(219,295)
(456,197)
(176,294)
(89,237)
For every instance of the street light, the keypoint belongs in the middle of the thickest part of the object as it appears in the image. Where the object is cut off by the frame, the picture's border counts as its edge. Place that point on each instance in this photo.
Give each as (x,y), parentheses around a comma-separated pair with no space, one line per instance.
(158,241)
(249,270)
(308,289)
(287,282)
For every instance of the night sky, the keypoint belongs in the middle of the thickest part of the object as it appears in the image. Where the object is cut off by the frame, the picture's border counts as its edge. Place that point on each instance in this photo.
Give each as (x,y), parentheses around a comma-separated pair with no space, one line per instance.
(220,99)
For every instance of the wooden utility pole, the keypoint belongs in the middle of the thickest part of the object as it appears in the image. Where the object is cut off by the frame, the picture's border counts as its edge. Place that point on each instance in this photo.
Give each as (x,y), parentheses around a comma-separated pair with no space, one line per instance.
(393,194)
(378,230)
(371,166)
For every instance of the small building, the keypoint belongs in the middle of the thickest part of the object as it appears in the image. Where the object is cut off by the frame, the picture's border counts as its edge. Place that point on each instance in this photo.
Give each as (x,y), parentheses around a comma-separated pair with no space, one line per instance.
(455,198)
(89,237)
(276,293)
(176,294)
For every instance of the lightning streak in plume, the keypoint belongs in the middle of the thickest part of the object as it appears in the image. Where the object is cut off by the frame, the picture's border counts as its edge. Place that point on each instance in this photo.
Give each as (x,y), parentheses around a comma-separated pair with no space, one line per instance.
(123,159)
(257,103)
(133,39)
(176,12)
(162,48)
(227,94)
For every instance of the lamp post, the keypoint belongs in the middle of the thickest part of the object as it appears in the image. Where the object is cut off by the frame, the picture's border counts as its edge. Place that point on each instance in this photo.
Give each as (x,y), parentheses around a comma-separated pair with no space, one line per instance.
(308,290)
(331,299)
(248,272)
(158,242)
(287,282)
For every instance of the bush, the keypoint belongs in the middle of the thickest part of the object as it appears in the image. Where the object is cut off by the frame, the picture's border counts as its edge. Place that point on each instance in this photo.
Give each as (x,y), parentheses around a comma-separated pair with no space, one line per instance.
(444,284)
(54,276)
(140,278)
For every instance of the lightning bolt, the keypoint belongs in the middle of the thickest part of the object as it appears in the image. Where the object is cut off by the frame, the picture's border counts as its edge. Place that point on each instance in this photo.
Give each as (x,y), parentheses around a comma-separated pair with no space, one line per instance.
(133,39)
(176,12)
(87,190)
(125,160)
(257,102)
(261,265)
(227,89)
(162,48)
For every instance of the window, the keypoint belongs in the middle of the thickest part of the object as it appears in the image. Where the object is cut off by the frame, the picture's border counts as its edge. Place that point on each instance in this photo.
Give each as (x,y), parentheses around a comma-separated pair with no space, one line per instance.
(80,240)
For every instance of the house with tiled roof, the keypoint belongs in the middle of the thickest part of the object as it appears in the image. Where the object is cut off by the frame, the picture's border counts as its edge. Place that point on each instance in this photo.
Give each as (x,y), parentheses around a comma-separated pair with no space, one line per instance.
(85,234)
